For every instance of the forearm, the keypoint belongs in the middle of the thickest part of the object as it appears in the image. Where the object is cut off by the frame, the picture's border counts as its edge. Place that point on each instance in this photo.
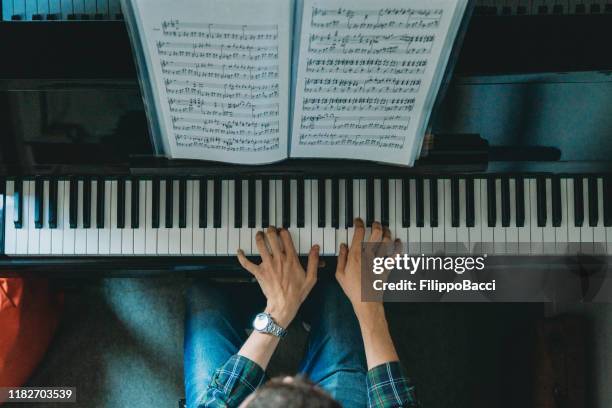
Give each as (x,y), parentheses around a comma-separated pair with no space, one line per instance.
(377,340)
(259,348)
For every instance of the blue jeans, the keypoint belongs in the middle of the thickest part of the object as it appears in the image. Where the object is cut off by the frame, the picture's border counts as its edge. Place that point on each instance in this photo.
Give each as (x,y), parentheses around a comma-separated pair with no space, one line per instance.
(334,359)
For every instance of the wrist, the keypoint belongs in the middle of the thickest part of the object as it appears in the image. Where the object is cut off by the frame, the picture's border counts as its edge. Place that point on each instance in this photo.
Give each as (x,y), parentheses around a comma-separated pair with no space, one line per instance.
(369,313)
(280,315)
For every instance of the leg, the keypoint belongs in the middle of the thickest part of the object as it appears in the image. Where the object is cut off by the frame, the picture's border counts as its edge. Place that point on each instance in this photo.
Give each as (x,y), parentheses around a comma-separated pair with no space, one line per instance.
(335,358)
(212,335)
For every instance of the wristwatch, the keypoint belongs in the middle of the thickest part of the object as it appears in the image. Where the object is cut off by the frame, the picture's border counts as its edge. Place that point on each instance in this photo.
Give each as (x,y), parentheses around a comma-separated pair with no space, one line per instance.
(264,323)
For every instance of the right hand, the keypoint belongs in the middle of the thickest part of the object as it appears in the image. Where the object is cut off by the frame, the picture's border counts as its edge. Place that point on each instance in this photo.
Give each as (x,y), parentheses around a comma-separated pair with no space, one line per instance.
(348,271)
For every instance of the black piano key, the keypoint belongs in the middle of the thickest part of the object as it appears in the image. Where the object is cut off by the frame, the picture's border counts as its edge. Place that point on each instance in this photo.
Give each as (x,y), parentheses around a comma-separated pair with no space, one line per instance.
(557,217)
(491,203)
(405,203)
(369,201)
(74,202)
(121,203)
(505,202)
(580,8)
(237,203)
(217,203)
(155,203)
(335,204)
(183,203)
(348,211)
(454,202)
(321,203)
(384,202)
(135,210)
(593,198)
(252,205)
(18,203)
(265,203)
(286,208)
(38,203)
(420,203)
(557,9)
(52,208)
(470,210)
(169,203)
(607,200)
(520,202)
(101,202)
(433,202)
(203,204)
(541,200)
(578,203)
(300,204)
(87,203)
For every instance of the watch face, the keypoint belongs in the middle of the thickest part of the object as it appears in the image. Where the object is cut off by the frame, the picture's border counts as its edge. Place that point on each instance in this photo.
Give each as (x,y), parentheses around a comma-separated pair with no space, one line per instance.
(261,321)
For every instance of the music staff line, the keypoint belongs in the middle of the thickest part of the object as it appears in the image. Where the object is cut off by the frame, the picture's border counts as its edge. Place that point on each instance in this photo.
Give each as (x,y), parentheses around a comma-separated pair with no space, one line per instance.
(189,72)
(350,13)
(241,104)
(421,23)
(266,56)
(177,24)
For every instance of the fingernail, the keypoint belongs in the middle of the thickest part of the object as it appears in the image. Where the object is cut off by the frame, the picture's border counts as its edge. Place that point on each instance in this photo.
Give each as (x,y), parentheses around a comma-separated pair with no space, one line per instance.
(316,248)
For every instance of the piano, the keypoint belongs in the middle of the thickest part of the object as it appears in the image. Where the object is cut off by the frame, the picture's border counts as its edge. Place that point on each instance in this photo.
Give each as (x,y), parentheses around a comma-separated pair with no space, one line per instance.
(81,188)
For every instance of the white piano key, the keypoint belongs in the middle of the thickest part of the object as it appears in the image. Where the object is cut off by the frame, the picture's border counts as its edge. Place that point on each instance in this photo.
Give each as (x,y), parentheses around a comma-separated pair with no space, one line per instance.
(399,231)
(306,232)
(548,231)
(586,231)
(524,232)
(329,233)
(317,232)
(114,7)
(414,232)
(363,208)
(293,229)
(174,233)
(69,233)
(33,232)
(210,232)
(486,232)
(246,233)
(190,222)
(127,234)
(258,218)
(438,232)
(150,232)
(450,233)
(356,211)
(475,232)
(463,237)
(512,231)
(392,206)
(223,232)
(537,234)
(573,232)
(233,233)
(426,231)
(377,199)
(23,232)
(90,7)
(66,9)
(92,231)
(599,232)
(163,233)
(80,233)
(272,202)
(140,232)
(45,232)
(57,234)
(279,203)
(115,232)
(10,234)
(104,234)
(561,231)
(341,232)
(197,232)
(499,232)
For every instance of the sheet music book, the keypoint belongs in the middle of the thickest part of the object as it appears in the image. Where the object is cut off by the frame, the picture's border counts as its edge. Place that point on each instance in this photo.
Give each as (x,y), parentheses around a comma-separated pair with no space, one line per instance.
(258,81)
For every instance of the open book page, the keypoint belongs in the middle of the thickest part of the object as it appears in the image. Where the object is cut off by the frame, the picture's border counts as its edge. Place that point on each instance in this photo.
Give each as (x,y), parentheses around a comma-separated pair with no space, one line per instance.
(368,74)
(219,73)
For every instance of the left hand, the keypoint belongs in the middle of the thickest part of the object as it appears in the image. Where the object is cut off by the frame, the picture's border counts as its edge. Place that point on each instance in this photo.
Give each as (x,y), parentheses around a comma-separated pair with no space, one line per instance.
(280,275)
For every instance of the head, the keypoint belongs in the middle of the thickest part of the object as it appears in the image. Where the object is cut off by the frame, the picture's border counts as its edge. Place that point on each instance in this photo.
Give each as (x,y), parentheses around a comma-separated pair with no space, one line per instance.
(289,392)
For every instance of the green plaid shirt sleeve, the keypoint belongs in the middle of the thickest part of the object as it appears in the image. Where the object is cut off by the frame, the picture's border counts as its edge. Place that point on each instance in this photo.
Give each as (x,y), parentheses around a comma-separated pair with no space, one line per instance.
(233,382)
(388,387)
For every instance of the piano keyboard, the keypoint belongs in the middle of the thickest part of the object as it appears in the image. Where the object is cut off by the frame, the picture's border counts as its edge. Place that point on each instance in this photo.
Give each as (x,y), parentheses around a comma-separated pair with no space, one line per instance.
(215,217)
(542,7)
(60,10)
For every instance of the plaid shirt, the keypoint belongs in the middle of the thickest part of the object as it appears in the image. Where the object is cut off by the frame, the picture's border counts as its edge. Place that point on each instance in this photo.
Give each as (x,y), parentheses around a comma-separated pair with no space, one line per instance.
(387,385)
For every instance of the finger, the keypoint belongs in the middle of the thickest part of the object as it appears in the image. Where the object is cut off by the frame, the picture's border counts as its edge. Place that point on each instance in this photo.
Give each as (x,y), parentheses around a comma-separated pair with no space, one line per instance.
(273,241)
(386,235)
(342,255)
(264,252)
(287,242)
(377,232)
(312,268)
(246,264)
(358,235)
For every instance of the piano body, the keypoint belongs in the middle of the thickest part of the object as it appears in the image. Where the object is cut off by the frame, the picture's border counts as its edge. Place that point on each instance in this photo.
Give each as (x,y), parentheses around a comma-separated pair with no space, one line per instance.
(520,156)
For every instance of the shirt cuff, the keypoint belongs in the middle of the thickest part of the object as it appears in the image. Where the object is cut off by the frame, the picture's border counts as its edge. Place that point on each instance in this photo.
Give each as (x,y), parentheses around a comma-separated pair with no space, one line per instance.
(388,386)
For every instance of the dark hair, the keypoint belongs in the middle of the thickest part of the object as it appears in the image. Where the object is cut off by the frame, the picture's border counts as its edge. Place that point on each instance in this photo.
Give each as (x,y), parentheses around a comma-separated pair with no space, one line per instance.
(299,393)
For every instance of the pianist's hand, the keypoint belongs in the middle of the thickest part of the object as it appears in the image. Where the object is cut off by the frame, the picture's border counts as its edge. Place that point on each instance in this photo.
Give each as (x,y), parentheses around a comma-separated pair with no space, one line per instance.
(280,275)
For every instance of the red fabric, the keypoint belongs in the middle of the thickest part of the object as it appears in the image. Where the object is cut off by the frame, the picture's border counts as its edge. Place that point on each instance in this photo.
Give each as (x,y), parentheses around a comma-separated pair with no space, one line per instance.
(29,314)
